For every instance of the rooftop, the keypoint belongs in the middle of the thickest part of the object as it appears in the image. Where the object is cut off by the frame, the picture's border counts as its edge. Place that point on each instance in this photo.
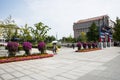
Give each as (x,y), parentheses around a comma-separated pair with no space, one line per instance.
(91,19)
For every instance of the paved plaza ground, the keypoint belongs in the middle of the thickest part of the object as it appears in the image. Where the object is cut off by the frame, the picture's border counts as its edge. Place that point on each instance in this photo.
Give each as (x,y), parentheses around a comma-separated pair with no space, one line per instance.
(67,65)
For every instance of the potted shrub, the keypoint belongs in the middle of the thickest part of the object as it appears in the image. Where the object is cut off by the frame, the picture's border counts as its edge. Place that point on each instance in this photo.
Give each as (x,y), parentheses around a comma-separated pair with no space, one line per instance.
(89,45)
(12,48)
(79,45)
(42,47)
(84,45)
(27,46)
(94,45)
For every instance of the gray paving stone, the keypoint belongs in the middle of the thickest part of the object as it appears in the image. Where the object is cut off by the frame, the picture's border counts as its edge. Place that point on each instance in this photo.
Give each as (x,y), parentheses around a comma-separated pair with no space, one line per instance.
(102,68)
(27,72)
(26,78)
(18,68)
(93,77)
(2,71)
(48,74)
(67,65)
(4,66)
(81,73)
(96,73)
(17,74)
(1,78)
(10,70)
(111,75)
(15,79)
(60,78)
(38,77)
(69,76)
(7,76)
(75,73)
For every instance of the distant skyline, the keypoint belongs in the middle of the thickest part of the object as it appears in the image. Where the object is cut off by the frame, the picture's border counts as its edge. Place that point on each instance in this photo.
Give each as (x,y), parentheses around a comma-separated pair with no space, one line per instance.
(59,15)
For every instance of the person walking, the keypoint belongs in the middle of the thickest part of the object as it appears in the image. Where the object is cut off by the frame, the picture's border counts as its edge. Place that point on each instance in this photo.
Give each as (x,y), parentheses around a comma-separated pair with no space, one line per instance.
(54,49)
(73,46)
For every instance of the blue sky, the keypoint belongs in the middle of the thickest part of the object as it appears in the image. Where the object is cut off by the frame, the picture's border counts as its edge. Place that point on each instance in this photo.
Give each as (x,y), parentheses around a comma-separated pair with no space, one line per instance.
(59,15)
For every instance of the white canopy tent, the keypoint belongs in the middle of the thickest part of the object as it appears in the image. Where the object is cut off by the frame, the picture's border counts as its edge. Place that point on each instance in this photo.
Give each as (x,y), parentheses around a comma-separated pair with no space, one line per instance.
(54,41)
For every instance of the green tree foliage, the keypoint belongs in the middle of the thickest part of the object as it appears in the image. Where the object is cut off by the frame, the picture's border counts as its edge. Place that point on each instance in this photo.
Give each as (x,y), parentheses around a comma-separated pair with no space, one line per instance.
(39,31)
(68,39)
(116,34)
(49,39)
(8,28)
(93,34)
(25,33)
(82,37)
(1,28)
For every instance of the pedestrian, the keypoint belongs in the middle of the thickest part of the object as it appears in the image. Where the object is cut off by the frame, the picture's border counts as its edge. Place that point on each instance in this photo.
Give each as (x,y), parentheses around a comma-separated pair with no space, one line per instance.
(73,46)
(54,48)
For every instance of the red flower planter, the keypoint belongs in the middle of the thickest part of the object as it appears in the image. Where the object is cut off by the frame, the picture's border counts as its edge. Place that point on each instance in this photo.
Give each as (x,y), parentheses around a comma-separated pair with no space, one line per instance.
(23,58)
(88,50)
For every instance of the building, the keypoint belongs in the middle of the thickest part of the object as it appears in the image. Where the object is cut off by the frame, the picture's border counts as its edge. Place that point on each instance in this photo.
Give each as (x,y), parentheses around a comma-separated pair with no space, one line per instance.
(103,22)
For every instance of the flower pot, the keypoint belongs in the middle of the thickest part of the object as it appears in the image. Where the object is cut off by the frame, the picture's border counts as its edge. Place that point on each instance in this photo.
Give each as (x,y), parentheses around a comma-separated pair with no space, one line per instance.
(12,53)
(27,52)
(79,48)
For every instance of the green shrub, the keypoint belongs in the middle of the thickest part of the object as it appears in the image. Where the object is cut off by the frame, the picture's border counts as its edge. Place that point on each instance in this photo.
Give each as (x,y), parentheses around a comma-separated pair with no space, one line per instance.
(59,46)
(20,48)
(50,46)
(34,46)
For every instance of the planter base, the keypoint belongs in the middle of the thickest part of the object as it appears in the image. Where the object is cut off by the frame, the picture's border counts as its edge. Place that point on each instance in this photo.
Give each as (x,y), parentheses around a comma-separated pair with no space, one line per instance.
(87,50)
(23,58)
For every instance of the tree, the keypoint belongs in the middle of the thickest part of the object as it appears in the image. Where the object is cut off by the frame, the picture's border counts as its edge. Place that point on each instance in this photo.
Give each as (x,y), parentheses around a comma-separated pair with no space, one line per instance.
(1,29)
(83,37)
(25,33)
(39,31)
(49,39)
(93,34)
(116,34)
(69,39)
(63,40)
(8,28)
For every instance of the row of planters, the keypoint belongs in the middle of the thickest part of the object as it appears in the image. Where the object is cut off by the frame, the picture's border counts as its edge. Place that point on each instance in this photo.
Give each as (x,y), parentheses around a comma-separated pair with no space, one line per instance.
(49,46)
(13,47)
(27,46)
(86,46)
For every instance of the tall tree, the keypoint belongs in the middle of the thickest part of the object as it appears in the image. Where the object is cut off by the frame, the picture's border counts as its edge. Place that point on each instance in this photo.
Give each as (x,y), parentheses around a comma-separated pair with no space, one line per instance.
(93,33)
(8,28)
(39,31)
(25,33)
(116,34)
(1,28)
